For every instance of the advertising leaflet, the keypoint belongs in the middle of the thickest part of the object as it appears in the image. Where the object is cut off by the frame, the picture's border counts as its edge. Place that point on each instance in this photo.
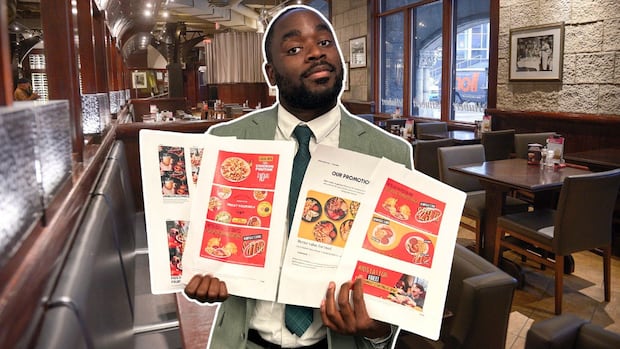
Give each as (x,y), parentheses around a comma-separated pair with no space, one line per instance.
(170,163)
(402,245)
(334,186)
(238,223)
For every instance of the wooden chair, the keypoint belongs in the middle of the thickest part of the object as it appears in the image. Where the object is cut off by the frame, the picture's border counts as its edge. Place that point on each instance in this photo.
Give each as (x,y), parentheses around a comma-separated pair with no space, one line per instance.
(581,222)
(475,203)
(425,155)
(498,145)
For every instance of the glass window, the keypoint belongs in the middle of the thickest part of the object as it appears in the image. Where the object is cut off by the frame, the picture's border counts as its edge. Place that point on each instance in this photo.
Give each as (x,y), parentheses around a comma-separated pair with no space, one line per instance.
(392,63)
(421,87)
(470,82)
(426,58)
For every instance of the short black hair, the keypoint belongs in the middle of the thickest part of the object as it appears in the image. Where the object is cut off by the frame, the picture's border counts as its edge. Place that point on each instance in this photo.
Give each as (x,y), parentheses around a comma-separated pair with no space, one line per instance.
(23,80)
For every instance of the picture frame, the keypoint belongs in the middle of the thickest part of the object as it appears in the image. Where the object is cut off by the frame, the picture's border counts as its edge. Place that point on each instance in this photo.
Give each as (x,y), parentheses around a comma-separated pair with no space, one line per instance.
(347,85)
(536,53)
(357,52)
(138,79)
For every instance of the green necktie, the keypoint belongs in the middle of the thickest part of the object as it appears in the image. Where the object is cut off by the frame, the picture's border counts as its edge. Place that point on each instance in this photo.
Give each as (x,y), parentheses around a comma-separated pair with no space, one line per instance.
(297,318)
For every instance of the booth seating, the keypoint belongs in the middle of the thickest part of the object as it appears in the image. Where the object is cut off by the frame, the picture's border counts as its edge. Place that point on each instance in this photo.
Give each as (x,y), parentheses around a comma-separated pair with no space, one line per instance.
(479,300)
(570,332)
(101,298)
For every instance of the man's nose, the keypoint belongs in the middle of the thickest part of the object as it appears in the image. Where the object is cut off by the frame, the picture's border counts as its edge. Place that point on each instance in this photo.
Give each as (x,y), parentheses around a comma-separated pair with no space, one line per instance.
(315,53)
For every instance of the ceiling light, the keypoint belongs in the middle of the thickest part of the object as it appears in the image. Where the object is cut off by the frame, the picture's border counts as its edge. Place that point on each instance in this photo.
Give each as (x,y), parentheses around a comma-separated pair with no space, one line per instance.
(165,14)
(147,13)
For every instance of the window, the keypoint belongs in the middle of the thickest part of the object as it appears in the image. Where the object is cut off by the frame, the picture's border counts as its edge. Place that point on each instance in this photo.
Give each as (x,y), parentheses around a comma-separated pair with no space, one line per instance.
(392,63)
(411,56)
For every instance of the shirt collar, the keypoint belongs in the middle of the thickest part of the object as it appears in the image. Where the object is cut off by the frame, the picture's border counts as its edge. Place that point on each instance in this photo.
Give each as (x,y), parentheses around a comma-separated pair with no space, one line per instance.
(320,126)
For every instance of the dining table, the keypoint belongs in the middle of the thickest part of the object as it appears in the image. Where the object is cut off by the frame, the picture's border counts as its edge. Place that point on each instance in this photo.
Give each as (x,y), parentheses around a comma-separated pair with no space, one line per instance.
(500,177)
(460,137)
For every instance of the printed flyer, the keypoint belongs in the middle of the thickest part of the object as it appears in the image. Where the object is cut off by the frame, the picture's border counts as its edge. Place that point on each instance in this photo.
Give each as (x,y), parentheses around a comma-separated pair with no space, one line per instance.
(244,198)
(333,189)
(402,247)
(170,164)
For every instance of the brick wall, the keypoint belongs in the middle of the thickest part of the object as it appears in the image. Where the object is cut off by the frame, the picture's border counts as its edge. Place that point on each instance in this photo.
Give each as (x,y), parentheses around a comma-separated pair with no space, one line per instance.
(591,61)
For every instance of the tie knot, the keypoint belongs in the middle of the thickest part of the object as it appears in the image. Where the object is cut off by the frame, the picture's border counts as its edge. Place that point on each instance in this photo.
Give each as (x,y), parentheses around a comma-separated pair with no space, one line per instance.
(303,134)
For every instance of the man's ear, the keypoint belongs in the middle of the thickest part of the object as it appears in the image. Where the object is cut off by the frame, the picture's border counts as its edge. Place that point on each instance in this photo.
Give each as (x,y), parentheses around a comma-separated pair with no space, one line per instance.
(270,74)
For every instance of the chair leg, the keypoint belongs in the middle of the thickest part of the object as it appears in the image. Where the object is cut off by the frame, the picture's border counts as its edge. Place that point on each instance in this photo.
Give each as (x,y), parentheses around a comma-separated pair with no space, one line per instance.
(559,284)
(607,272)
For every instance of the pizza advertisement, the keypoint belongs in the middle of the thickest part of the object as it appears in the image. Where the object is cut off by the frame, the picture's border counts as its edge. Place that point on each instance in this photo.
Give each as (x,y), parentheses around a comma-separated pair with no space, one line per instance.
(327,219)
(396,240)
(246,170)
(236,245)
(401,203)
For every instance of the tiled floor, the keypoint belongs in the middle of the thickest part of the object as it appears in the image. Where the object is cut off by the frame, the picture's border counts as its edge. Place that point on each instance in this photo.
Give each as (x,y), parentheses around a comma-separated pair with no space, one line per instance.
(583,295)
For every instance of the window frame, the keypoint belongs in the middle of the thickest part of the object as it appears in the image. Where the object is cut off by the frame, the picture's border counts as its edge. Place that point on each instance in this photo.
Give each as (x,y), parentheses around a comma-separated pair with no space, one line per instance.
(449,55)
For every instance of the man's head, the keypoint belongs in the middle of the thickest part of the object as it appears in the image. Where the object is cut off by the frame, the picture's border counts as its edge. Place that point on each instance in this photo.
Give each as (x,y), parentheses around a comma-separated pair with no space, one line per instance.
(417,290)
(23,82)
(303,60)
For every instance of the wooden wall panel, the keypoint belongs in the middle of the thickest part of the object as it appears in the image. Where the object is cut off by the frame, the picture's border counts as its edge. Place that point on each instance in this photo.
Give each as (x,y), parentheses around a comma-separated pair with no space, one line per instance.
(240,92)
(582,131)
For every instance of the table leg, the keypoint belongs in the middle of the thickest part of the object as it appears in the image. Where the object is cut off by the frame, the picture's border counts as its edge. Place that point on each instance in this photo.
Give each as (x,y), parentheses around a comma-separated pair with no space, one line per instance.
(495,198)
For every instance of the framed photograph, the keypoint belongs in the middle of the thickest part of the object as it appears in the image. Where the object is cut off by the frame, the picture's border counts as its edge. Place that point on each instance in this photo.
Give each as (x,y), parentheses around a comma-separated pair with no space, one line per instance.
(536,53)
(348,76)
(357,52)
(138,79)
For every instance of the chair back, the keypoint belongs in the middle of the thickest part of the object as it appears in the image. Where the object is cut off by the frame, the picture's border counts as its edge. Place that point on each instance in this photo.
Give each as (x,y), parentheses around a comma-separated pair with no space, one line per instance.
(523,139)
(425,155)
(498,144)
(460,155)
(585,210)
(430,127)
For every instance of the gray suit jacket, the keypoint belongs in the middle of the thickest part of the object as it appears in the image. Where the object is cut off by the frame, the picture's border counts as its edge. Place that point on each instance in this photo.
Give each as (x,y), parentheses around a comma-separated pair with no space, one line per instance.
(231,326)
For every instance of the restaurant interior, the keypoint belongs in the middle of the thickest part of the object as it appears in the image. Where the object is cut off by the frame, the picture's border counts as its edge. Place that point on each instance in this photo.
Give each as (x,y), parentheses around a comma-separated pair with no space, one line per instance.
(516,103)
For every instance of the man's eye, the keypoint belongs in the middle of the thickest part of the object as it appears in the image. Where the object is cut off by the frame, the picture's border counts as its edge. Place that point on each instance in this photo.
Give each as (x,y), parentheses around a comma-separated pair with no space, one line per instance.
(325,43)
(294,50)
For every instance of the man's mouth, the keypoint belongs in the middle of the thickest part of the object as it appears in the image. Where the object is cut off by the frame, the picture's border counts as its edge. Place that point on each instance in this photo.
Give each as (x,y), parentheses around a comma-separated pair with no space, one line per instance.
(320,71)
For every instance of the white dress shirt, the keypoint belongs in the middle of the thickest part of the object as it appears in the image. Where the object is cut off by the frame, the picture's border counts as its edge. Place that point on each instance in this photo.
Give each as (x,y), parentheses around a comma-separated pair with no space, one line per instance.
(268,317)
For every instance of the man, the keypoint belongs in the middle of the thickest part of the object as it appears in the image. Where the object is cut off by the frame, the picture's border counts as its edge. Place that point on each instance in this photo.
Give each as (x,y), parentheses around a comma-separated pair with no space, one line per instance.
(23,92)
(303,60)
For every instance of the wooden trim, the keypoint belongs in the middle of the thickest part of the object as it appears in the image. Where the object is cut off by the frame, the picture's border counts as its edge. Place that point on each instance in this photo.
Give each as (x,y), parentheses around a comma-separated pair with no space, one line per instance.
(581,131)
(6,92)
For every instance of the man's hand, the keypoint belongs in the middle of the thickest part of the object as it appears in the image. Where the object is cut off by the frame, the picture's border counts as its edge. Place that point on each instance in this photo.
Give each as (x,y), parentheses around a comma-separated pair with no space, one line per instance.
(206,288)
(347,319)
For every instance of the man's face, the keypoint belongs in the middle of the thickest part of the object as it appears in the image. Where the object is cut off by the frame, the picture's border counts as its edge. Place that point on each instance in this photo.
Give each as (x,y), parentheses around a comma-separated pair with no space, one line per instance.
(306,64)
(415,291)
